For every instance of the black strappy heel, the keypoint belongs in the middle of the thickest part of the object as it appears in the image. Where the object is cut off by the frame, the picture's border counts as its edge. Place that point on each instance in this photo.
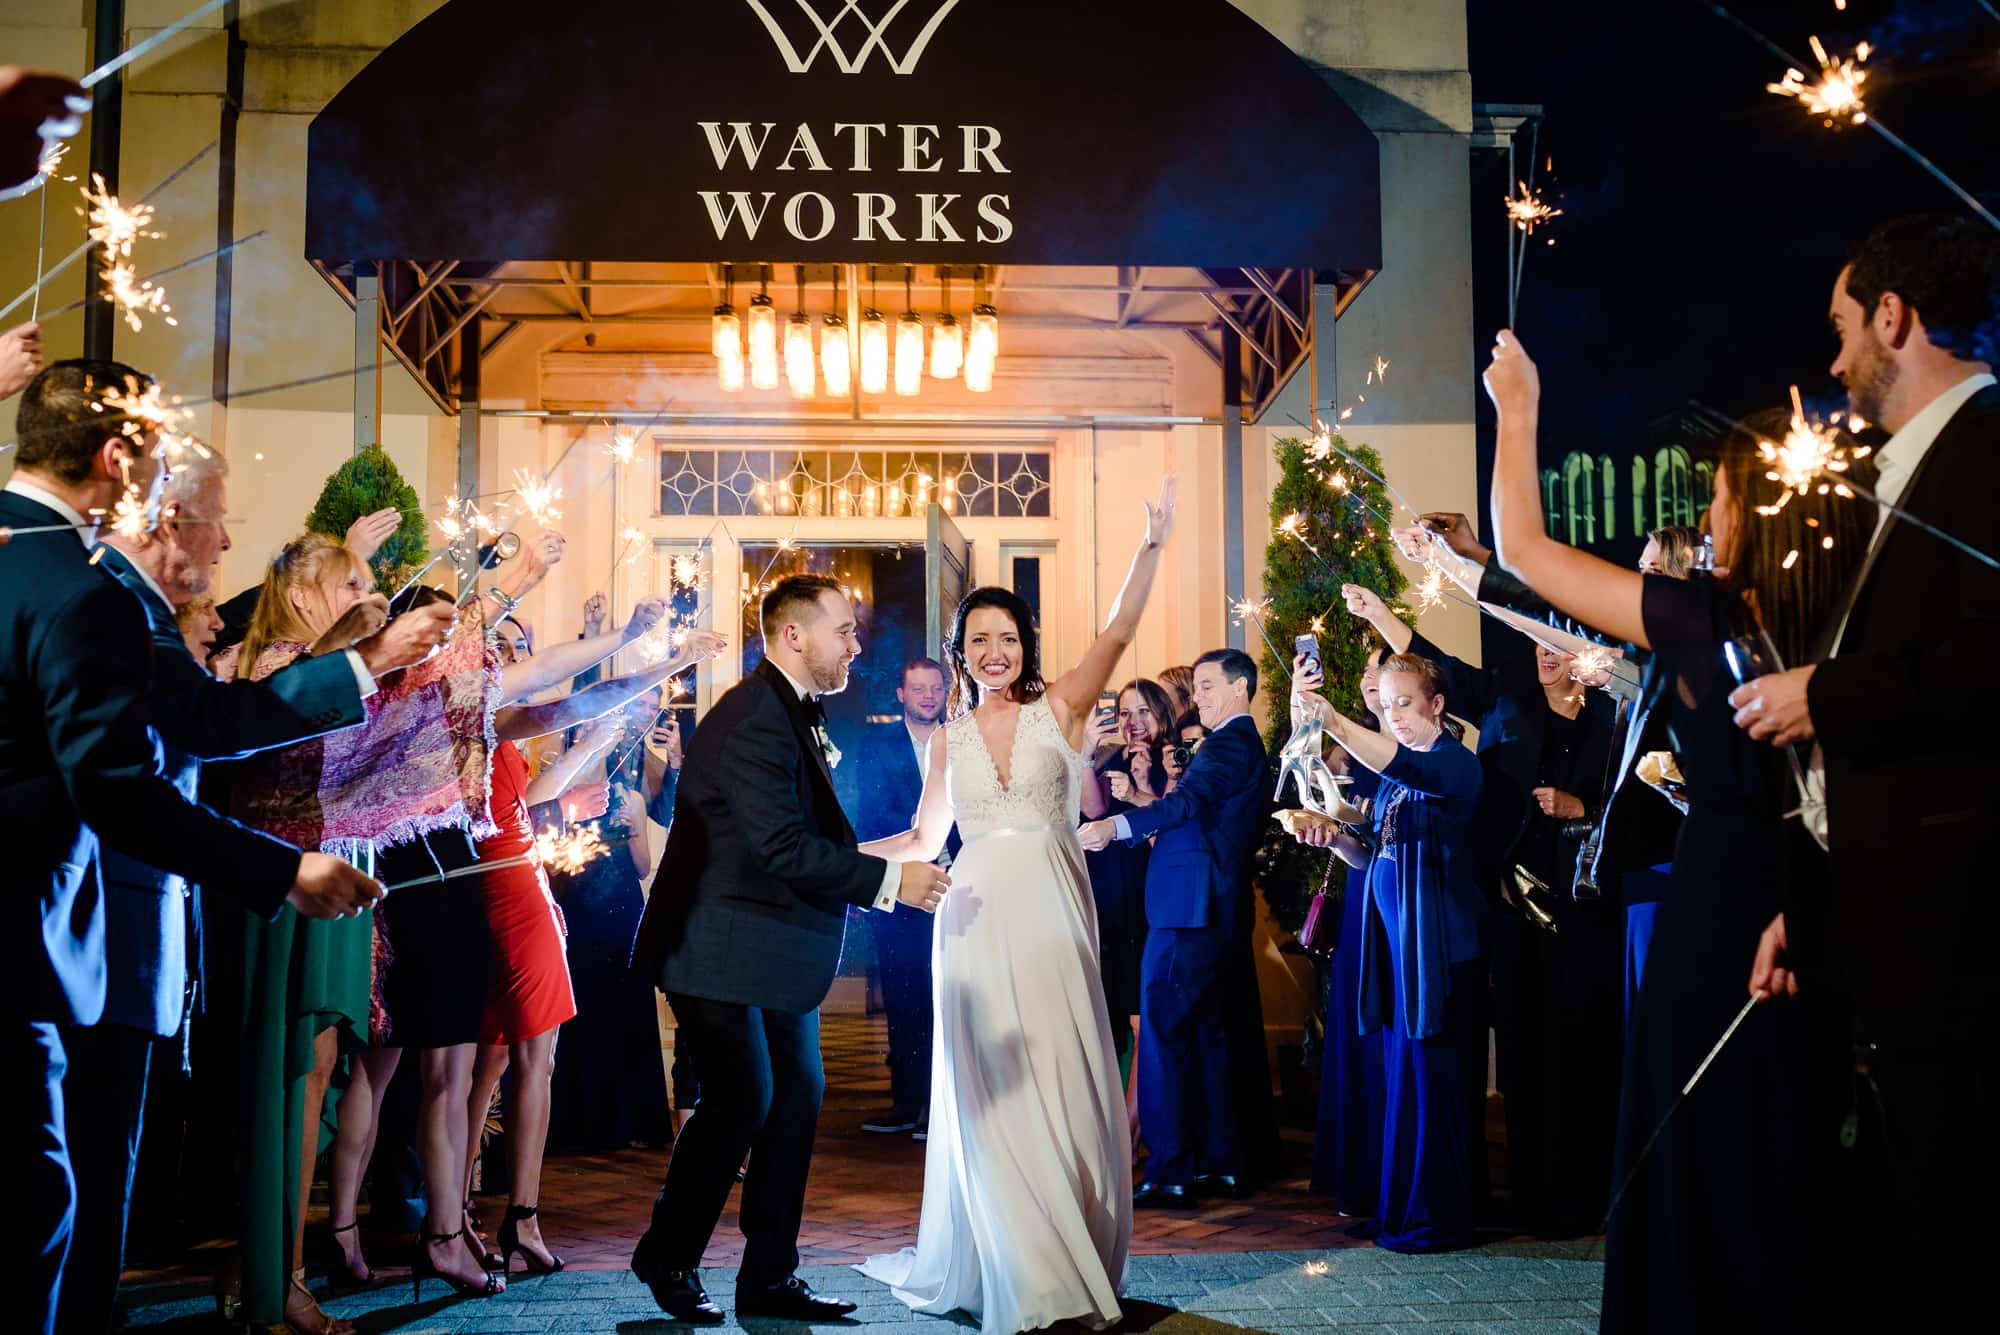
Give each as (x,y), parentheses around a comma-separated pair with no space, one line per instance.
(339,1273)
(510,1242)
(423,1266)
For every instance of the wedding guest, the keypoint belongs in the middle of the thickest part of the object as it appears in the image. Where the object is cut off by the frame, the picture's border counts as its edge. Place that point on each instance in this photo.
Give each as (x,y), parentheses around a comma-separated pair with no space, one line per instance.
(1198,915)
(890,779)
(199,623)
(151,947)
(1178,682)
(1708,1226)
(1125,774)
(80,764)
(1175,756)
(1347,1138)
(1910,813)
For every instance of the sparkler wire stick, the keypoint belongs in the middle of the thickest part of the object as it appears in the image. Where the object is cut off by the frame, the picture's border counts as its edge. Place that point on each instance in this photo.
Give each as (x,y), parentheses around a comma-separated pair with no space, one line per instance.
(44,279)
(41,251)
(1640,1162)
(519,860)
(171,269)
(130,54)
(1238,609)
(1895,140)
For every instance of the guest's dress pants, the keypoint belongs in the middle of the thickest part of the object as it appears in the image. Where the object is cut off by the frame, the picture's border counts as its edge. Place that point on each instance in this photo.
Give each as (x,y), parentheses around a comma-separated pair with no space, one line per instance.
(903,941)
(761,1085)
(108,1068)
(41,1171)
(1187,1096)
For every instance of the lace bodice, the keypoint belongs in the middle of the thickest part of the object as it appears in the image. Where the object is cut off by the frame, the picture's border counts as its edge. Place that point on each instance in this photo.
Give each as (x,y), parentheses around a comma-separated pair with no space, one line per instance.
(1046,775)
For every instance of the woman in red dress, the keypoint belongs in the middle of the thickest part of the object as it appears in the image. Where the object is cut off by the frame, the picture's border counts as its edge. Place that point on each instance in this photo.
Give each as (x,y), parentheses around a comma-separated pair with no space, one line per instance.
(529,996)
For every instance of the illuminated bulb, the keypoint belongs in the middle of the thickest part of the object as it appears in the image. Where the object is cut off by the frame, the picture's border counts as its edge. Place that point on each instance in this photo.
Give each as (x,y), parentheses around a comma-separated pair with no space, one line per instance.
(947,348)
(909,354)
(725,332)
(762,335)
(833,354)
(729,371)
(799,355)
(874,352)
(982,349)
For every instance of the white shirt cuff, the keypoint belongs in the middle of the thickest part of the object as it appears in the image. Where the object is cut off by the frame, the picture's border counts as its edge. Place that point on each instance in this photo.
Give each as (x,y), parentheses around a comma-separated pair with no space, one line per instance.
(362,678)
(892,881)
(1122,827)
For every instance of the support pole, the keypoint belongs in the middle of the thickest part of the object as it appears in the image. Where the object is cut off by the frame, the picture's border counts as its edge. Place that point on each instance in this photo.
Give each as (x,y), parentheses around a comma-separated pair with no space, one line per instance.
(367,355)
(107,104)
(1232,474)
(1325,362)
(468,437)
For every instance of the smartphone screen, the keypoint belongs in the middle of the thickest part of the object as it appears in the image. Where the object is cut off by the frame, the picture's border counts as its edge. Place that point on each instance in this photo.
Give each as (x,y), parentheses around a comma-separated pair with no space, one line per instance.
(1107,704)
(1309,646)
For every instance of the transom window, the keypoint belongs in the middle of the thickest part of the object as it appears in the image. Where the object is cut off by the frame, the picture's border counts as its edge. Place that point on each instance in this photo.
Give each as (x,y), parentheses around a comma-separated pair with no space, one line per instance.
(866,484)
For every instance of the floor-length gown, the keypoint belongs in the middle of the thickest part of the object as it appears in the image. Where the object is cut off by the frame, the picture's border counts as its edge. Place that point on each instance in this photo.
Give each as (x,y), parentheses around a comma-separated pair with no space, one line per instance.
(1027,1213)
(1347,1140)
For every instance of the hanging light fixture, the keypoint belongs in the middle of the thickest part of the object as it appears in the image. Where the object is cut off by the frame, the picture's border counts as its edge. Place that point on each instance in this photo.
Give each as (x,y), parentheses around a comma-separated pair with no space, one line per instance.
(799,342)
(763,335)
(725,331)
(834,348)
(874,344)
(948,339)
(729,371)
(982,347)
(909,341)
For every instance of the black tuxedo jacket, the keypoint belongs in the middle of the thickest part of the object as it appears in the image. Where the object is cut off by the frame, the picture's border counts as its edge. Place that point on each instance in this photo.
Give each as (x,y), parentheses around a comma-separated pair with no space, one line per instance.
(79,761)
(1913,809)
(751,896)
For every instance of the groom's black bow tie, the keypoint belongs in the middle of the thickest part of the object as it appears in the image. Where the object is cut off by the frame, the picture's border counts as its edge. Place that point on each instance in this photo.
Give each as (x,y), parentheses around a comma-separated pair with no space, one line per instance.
(815,708)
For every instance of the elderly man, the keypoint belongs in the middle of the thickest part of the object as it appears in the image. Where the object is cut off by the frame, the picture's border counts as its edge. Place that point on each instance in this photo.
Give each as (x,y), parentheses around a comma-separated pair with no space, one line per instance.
(79,762)
(153,975)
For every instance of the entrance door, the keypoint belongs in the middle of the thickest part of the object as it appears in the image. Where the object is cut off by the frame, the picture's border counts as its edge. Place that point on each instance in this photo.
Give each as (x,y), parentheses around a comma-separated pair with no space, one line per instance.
(947,572)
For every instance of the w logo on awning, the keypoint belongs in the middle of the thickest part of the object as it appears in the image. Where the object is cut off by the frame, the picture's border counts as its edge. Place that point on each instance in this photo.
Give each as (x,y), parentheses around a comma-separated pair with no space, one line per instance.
(873,34)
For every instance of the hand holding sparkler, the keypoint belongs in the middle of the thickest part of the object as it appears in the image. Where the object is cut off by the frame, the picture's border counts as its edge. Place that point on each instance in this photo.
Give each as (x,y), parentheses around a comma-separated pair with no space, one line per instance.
(1775,708)
(358,622)
(407,640)
(1770,973)
(1455,530)
(545,549)
(646,614)
(594,609)
(1364,603)
(586,801)
(1511,380)
(34,107)
(20,358)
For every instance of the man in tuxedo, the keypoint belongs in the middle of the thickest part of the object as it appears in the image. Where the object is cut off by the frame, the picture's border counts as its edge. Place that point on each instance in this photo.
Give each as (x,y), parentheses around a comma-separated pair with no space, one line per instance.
(78,762)
(888,785)
(151,916)
(743,934)
(1198,914)
(1911,819)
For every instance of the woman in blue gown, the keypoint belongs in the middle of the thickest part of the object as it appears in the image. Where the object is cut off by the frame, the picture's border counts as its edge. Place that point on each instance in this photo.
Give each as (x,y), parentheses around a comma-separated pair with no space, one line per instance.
(1713,1217)
(1423,958)
(1347,1139)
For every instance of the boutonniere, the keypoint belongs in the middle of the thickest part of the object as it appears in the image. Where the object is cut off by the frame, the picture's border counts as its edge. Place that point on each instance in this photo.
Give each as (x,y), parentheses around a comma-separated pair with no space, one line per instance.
(826,746)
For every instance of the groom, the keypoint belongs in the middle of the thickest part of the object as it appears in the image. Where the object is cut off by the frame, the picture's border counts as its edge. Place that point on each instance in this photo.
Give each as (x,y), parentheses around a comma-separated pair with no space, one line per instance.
(743,933)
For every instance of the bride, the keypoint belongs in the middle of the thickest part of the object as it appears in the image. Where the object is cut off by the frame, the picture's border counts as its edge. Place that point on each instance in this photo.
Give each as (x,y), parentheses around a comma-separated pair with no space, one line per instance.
(1027,1213)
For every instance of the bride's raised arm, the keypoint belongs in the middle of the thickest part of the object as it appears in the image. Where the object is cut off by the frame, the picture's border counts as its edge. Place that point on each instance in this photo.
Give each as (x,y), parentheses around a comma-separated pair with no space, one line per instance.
(1074,693)
(925,840)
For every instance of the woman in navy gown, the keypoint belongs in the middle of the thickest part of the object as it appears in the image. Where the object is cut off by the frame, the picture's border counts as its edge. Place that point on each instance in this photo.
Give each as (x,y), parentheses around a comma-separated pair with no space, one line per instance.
(1423,958)
(1713,1231)
(1347,1138)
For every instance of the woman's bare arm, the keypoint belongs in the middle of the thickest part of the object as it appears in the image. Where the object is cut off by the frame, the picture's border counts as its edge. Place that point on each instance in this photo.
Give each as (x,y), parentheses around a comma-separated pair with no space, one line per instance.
(1073,694)
(923,841)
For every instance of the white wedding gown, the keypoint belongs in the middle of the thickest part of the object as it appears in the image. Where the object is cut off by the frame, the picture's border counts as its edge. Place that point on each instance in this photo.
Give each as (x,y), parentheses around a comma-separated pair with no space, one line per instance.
(1027,1214)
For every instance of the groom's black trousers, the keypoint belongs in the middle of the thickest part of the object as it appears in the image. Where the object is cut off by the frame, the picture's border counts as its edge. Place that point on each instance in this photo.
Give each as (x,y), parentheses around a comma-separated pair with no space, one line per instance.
(761,1084)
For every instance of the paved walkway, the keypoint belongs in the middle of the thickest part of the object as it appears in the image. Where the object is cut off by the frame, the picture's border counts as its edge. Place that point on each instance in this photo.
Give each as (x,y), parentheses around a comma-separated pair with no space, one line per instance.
(1507,1287)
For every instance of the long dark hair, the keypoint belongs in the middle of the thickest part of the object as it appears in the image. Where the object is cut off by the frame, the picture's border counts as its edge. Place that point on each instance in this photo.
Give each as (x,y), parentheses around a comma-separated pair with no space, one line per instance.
(1162,705)
(1780,562)
(1029,686)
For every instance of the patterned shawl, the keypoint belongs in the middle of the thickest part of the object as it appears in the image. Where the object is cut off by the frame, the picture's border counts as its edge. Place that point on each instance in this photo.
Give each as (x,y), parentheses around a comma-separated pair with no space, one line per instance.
(420,761)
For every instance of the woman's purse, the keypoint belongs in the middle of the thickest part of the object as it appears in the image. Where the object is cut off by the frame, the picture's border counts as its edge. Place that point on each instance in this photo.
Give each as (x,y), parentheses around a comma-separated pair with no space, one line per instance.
(1320,932)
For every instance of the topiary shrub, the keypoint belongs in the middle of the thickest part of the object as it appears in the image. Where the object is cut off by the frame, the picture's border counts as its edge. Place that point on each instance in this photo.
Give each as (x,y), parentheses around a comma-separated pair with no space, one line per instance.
(368,482)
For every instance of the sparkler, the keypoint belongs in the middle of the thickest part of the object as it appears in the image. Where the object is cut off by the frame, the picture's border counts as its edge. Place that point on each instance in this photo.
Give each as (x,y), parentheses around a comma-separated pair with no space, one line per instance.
(537,495)
(146,410)
(51,161)
(1527,210)
(1837,92)
(1592,663)
(572,851)
(154,277)
(623,446)
(1429,592)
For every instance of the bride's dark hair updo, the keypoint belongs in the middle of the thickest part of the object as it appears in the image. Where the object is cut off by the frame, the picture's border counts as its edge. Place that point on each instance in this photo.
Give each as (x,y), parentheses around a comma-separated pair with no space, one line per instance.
(1028,687)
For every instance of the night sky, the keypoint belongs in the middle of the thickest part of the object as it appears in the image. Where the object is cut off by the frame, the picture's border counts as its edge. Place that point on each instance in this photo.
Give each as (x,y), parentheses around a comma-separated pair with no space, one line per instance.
(1705,219)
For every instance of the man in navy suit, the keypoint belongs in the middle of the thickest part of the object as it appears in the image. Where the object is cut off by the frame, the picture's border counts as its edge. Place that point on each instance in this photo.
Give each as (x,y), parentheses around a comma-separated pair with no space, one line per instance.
(1198,913)
(79,761)
(891,780)
(152,949)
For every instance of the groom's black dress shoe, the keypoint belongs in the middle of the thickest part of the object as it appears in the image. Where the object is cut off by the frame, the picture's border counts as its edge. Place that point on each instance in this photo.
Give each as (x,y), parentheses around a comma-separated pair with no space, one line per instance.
(792,1299)
(1162,1196)
(679,1294)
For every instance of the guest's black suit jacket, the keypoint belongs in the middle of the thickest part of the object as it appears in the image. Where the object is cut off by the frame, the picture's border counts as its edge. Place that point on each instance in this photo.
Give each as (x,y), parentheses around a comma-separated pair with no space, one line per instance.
(1912,802)
(79,761)
(751,895)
